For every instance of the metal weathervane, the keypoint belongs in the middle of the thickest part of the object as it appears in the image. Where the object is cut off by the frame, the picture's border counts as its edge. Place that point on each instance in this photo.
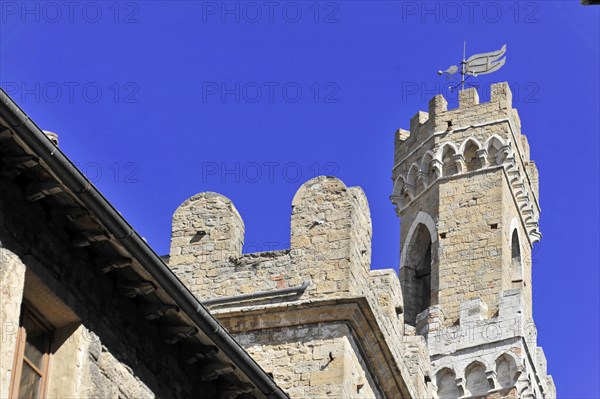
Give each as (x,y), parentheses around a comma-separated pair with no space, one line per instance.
(478,64)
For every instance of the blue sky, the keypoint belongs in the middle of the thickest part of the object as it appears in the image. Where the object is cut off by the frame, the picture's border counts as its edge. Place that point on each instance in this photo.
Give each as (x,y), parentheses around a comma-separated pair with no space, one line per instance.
(157,101)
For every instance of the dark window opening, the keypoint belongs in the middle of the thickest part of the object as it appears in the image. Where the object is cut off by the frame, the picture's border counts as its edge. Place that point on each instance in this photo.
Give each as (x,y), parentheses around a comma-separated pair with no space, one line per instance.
(516,266)
(416,274)
(423,274)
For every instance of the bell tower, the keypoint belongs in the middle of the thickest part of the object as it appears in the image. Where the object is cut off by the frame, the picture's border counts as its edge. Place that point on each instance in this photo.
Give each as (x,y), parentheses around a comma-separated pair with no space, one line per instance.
(466,193)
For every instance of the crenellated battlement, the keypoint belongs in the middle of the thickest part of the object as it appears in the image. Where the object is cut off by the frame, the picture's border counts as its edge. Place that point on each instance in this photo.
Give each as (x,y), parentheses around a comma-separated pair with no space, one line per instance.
(330,244)
(439,119)
(324,278)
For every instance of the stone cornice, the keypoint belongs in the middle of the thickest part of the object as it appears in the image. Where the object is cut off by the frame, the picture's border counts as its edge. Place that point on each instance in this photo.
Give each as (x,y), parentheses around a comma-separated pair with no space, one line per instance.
(353,311)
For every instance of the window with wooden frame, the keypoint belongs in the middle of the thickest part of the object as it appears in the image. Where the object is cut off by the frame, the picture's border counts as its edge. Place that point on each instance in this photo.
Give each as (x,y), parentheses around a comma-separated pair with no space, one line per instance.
(32,356)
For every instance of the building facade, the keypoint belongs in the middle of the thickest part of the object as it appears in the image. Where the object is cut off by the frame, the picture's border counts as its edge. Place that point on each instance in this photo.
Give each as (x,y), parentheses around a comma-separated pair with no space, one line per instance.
(458,321)
(87,309)
(310,321)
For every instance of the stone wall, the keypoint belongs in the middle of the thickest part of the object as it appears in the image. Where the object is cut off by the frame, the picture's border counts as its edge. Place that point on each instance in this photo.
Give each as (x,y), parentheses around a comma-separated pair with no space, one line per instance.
(512,222)
(207,239)
(315,361)
(470,252)
(330,244)
(330,252)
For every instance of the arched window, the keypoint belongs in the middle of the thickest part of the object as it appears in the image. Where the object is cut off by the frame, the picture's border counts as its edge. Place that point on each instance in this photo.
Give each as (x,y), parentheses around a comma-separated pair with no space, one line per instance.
(427,173)
(472,160)
(416,274)
(445,381)
(476,380)
(411,180)
(422,180)
(506,371)
(516,266)
(399,195)
(493,148)
(449,167)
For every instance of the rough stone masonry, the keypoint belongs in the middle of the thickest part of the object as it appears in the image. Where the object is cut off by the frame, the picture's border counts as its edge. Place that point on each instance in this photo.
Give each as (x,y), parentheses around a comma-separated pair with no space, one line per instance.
(457,321)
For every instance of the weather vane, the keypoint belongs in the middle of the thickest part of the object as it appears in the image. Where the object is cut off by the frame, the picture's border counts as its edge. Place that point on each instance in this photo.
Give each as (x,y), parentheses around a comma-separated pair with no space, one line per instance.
(478,64)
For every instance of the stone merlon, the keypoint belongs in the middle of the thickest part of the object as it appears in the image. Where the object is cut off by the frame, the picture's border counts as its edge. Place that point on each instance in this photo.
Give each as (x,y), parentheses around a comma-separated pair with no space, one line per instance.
(323,277)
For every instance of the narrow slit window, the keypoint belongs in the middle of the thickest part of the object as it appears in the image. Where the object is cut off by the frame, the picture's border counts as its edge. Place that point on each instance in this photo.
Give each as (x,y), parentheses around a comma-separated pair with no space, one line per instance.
(516,265)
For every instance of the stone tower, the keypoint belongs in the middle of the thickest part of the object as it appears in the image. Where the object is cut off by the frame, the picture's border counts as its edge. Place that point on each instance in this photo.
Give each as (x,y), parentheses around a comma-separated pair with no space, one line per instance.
(467,195)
